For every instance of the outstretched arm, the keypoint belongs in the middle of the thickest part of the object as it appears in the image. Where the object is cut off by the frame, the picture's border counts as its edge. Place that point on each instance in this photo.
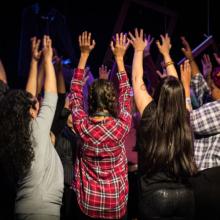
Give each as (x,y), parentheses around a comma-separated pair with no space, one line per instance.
(185,71)
(164,49)
(79,115)
(31,85)
(50,84)
(198,82)
(119,50)
(141,96)
(48,106)
(187,51)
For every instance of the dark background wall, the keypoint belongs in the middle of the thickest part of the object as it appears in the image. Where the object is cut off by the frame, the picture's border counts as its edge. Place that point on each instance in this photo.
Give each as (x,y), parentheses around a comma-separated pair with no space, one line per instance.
(100,17)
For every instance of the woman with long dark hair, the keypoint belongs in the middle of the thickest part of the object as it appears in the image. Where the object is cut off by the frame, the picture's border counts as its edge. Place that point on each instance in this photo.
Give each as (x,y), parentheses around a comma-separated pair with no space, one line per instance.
(100,181)
(25,142)
(164,141)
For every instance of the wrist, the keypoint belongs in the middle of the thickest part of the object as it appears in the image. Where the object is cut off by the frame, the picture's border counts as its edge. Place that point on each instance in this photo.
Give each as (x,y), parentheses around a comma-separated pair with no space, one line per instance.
(84,55)
(166,64)
(166,57)
(47,60)
(34,60)
(187,90)
(119,58)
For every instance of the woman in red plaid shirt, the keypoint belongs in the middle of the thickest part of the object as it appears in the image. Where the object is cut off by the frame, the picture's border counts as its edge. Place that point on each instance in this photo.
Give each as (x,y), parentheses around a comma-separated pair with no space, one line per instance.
(101,183)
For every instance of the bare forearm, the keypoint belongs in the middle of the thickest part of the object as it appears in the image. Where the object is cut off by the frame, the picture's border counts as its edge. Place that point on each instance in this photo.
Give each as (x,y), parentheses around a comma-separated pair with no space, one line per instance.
(50,84)
(40,78)
(82,61)
(171,70)
(31,85)
(137,66)
(194,67)
(120,64)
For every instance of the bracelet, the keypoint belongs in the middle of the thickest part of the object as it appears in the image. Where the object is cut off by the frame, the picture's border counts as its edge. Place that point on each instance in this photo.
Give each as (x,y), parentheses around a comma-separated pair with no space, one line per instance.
(188,102)
(168,63)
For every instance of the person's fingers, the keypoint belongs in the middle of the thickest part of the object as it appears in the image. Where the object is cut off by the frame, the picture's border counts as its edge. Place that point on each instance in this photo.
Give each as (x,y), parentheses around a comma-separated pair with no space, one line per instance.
(80,40)
(117,39)
(121,39)
(89,39)
(131,36)
(83,38)
(159,74)
(158,44)
(141,33)
(124,39)
(93,44)
(136,32)
(181,70)
(112,46)
(44,41)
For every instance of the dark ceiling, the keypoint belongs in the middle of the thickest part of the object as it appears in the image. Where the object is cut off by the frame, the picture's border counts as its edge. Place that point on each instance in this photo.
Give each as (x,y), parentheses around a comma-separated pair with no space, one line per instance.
(194,19)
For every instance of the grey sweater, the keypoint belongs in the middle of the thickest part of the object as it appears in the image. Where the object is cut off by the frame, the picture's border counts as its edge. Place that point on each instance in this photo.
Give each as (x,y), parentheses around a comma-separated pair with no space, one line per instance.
(41,190)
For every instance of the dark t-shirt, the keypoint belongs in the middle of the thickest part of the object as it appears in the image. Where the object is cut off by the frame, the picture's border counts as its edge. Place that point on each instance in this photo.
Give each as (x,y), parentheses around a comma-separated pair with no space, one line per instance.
(147,119)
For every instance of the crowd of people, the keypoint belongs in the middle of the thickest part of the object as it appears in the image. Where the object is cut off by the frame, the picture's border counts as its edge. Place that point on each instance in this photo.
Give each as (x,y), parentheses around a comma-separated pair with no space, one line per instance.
(108,149)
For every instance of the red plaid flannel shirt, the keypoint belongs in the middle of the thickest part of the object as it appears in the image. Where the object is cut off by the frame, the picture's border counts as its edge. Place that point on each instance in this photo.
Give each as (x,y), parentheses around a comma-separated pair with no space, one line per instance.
(100,171)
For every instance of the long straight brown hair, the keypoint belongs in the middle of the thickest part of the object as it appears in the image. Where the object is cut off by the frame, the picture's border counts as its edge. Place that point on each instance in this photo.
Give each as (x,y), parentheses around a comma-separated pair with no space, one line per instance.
(165,141)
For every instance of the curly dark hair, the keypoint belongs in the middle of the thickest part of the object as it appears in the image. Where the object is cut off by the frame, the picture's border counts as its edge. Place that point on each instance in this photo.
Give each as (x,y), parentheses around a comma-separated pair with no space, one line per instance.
(15,138)
(102,96)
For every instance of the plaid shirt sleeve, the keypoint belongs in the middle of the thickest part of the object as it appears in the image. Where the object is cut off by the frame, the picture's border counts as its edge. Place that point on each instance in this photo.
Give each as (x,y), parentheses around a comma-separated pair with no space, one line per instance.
(124,102)
(200,87)
(76,99)
(206,119)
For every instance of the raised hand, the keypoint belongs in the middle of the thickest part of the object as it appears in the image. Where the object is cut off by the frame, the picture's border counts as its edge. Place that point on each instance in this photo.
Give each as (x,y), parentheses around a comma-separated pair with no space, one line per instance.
(206,65)
(103,72)
(217,58)
(186,49)
(35,52)
(86,44)
(149,42)
(138,41)
(165,46)
(120,46)
(161,75)
(47,48)
(185,71)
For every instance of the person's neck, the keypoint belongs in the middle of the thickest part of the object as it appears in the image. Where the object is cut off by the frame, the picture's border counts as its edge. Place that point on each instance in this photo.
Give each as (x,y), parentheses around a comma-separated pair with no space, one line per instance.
(101,114)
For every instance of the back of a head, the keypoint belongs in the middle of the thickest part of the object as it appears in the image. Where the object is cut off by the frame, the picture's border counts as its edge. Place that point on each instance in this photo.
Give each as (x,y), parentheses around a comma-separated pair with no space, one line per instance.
(102,96)
(168,140)
(170,99)
(15,140)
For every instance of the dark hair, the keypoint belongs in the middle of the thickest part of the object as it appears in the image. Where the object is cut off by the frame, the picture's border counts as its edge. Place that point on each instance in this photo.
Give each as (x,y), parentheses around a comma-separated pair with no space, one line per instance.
(102,96)
(166,138)
(15,138)
(3,89)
